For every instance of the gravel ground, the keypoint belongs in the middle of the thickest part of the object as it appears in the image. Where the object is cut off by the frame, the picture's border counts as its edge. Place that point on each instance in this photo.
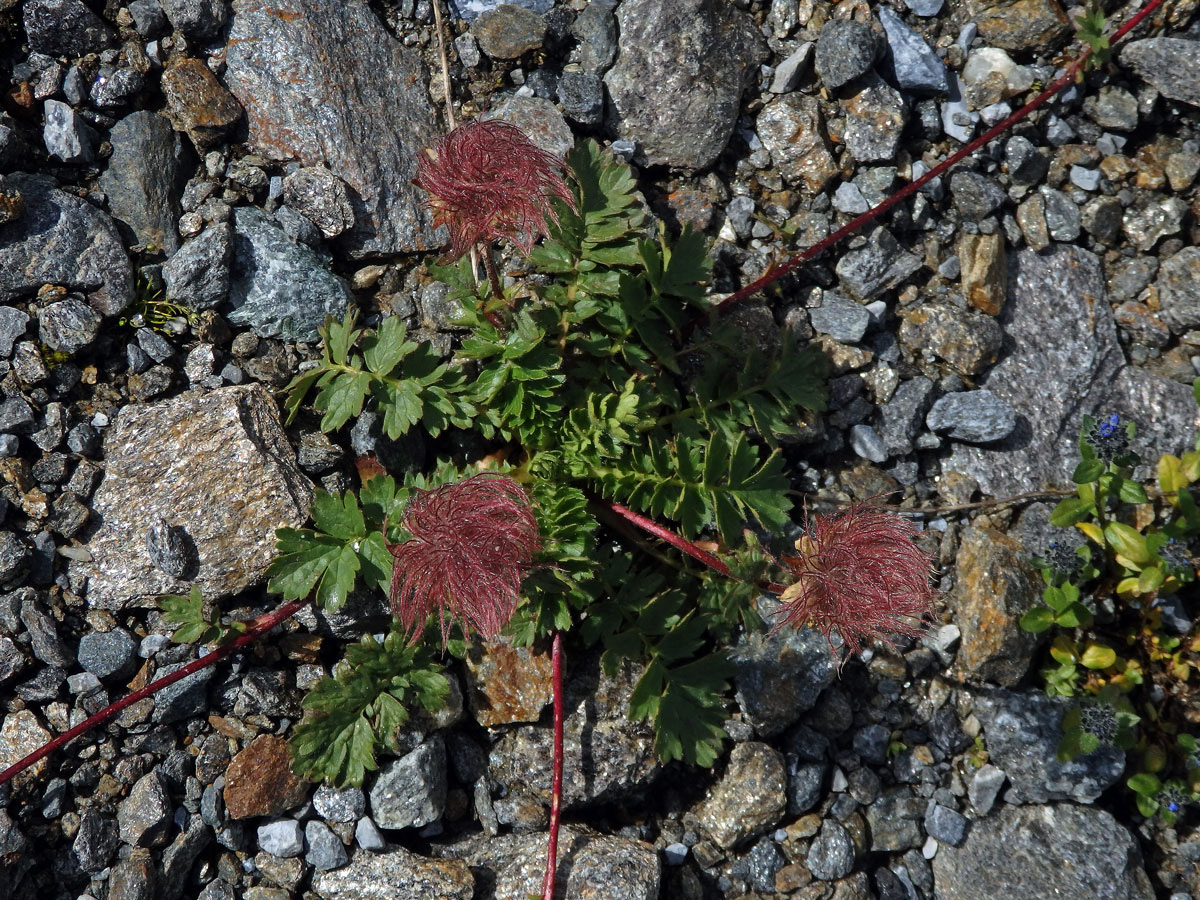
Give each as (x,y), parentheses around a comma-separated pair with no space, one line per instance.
(253,162)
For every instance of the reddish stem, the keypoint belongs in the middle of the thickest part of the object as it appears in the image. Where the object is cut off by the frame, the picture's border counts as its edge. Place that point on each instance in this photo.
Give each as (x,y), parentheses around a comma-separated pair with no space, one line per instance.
(556,782)
(774,274)
(260,627)
(675,540)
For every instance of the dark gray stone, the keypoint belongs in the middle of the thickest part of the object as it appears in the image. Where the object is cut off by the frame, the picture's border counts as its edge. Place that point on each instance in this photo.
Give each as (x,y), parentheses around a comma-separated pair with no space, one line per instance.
(1062,215)
(596,29)
(903,416)
(894,821)
(846,50)
(876,115)
(805,787)
(1022,731)
(325,849)
(1053,377)
(843,320)
(945,824)
(1060,850)
(13,323)
(47,645)
(68,325)
(758,867)
(14,555)
(681,114)
(185,698)
(280,288)
(15,415)
(178,859)
(1170,64)
(871,743)
(977,417)
(157,347)
(509,31)
(108,654)
(581,96)
(470,10)
(410,792)
(198,19)
(879,266)
(779,677)
(198,274)
(62,239)
(345,805)
(143,180)
(911,62)
(1179,289)
(145,815)
(83,439)
(1027,165)
(321,197)
(149,18)
(328,83)
(64,28)
(96,841)
(975,196)
(115,87)
(66,135)
(831,855)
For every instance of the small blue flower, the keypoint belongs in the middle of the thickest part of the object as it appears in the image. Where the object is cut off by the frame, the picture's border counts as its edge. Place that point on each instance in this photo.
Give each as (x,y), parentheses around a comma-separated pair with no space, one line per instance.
(1108,439)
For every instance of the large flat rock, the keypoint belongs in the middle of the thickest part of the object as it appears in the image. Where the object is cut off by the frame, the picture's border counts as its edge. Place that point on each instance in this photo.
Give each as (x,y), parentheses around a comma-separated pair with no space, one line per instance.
(326,83)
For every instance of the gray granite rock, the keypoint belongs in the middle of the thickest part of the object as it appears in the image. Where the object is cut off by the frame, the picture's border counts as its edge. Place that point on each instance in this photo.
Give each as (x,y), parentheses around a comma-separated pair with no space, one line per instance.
(985,788)
(185,698)
(1170,64)
(325,850)
(894,821)
(149,18)
(977,417)
(1059,850)
(143,179)
(321,197)
(108,654)
(1022,731)
(282,837)
(606,756)
(394,874)
(779,677)
(470,10)
(1063,220)
(831,854)
(64,28)
(946,825)
(96,841)
(539,119)
(792,128)
(68,325)
(975,196)
(198,274)
(876,114)
(581,96)
(677,83)
(327,83)
(198,19)
(242,484)
(508,31)
(1051,379)
(909,61)
(145,814)
(61,239)
(13,323)
(410,792)
(879,266)
(43,634)
(1152,218)
(846,50)
(750,798)
(842,319)
(279,287)
(596,29)
(968,340)
(115,87)
(66,135)
(345,805)
(1179,289)
(903,416)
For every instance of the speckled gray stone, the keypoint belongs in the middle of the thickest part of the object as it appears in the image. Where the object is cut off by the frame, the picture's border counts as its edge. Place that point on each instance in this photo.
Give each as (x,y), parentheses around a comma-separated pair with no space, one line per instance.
(108,654)
(677,83)
(410,792)
(144,178)
(977,417)
(831,855)
(325,849)
(283,838)
(394,874)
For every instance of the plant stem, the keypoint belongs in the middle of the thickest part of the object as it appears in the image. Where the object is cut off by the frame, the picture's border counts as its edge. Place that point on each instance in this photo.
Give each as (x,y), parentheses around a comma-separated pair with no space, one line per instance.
(493,276)
(261,627)
(556,781)
(675,540)
(774,274)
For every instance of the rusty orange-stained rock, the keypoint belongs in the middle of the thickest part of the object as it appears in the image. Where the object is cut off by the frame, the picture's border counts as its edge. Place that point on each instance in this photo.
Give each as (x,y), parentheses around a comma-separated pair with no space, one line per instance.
(507,684)
(260,780)
(197,103)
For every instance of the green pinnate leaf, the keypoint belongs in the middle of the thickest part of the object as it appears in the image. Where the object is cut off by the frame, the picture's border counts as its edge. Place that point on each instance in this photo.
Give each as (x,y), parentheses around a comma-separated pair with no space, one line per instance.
(341,396)
(384,349)
(338,515)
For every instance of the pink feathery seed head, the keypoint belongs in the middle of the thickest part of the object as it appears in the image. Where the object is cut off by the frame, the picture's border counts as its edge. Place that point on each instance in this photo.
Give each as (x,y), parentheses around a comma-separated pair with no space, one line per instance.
(470,542)
(487,180)
(859,571)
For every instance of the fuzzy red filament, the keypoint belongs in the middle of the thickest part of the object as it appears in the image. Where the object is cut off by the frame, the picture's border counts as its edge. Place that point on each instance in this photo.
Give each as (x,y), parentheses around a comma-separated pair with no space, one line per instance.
(486,181)
(470,542)
(860,572)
